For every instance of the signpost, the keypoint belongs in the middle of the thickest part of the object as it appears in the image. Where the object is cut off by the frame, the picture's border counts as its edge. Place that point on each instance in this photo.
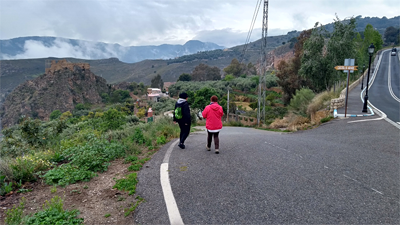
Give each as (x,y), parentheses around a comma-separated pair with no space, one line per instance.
(346,67)
(349,69)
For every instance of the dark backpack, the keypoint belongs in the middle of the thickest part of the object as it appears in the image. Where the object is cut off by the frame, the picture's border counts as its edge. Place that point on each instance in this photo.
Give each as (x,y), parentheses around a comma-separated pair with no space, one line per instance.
(178,113)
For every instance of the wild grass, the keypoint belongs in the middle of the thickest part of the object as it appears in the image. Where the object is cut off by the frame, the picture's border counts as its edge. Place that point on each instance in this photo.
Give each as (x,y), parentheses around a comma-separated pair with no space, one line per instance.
(320,101)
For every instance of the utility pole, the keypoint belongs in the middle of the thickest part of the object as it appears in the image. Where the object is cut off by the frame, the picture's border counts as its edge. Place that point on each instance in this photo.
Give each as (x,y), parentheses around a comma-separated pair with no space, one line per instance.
(263,65)
(227,106)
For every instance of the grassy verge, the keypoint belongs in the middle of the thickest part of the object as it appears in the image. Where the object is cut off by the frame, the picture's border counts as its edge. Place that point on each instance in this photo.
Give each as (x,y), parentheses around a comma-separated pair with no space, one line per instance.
(68,150)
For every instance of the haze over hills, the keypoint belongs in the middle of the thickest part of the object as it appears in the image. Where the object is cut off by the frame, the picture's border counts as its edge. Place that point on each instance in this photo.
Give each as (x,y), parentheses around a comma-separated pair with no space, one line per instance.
(15,72)
(43,47)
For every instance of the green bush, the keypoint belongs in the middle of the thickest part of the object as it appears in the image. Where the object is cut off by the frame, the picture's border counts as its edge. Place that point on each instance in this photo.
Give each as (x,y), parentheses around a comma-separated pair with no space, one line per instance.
(127,184)
(131,158)
(85,160)
(32,132)
(23,170)
(135,167)
(300,101)
(131,119)
(53,213)
(67,174)
(4,186)
(14,215)
(161,140)
(55,114)
(94,154)
(138,136)
(113,119)
(326,119)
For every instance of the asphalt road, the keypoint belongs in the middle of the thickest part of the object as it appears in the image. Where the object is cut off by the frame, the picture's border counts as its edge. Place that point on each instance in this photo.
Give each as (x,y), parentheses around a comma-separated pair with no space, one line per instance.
(382,93)
(338,173)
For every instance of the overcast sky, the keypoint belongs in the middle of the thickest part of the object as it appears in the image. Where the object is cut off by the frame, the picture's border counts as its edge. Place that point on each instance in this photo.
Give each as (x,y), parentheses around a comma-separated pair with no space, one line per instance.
(155,22)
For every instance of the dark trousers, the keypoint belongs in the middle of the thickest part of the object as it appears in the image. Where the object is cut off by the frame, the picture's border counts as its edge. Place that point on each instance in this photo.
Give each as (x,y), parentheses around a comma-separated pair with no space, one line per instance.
(216,139)
(185,130)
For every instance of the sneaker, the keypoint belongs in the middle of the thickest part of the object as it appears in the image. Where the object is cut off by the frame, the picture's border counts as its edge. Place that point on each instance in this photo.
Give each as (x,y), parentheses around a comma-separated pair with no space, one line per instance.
(208,149)
(182,146)
(216,151)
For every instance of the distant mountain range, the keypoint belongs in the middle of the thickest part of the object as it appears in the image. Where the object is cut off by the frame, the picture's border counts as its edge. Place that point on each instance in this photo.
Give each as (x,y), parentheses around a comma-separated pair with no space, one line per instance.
(43,47)
(105,62)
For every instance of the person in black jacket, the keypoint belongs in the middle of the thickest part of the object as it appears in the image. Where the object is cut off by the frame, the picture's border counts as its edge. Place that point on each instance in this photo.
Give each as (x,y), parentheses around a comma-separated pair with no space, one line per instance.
(185,121)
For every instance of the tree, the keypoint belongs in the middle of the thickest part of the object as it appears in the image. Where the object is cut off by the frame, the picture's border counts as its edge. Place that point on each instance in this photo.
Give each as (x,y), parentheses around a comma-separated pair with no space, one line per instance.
(185,77)
(391,35)
(314,64)
(372,36)
(201,98)
(235,68)
(288,72)
(363,40)
(157,82)
(119,96)
(203,72)
(341,46)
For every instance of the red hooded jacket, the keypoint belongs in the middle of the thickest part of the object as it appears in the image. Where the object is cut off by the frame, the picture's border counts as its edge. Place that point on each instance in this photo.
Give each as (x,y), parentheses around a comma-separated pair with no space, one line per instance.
(213,113)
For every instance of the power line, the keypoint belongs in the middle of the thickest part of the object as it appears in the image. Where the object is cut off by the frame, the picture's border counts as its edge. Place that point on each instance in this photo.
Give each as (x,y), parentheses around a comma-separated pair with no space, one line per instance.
(253,21)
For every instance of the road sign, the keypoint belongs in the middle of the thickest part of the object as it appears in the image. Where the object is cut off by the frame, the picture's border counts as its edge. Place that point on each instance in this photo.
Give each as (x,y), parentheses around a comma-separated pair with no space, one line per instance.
(346,67)
(348,62)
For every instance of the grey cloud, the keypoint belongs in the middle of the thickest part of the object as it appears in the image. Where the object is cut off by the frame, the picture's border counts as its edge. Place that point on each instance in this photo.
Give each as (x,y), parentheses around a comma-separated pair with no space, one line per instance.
(63,48)
(155,22)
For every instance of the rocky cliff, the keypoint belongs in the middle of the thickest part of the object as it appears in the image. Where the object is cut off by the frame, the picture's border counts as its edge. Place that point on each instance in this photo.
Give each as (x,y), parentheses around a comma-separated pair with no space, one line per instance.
(62,87)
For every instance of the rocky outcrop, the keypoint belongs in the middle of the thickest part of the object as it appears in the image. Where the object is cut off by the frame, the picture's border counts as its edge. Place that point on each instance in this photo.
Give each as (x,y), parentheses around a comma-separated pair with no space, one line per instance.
(62,87)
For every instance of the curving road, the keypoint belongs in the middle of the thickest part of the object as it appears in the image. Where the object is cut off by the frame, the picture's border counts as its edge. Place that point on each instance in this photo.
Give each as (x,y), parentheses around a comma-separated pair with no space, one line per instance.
(338,173)
(384,92)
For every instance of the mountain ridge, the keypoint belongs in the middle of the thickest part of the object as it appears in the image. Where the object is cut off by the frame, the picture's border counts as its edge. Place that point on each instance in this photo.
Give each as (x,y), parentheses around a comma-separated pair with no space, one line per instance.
(22,48)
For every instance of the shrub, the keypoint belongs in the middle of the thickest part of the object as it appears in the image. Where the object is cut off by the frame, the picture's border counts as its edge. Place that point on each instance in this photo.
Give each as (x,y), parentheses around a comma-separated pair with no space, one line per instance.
(141,113)
(161,140)
(67,174)
(55,114)
(326,119)
(300,100)
(85,160)
(131,158)
(65,115)
(94,154)
(53,213)
(131,119)
(4,186)
(138,136)
(113,119)
(23,170)
(320,101)
(14,215)
(127,184)
(32,132)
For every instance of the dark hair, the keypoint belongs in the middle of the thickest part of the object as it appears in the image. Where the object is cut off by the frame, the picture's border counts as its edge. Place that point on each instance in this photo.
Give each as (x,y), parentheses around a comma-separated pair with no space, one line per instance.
(214,98)
(183,95)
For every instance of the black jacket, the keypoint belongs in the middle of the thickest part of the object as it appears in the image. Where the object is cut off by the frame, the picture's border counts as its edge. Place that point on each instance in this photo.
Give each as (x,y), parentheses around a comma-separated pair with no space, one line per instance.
(185,111)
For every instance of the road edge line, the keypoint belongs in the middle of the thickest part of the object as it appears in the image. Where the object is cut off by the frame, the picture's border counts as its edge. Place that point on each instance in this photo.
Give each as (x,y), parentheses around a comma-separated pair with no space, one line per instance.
(172,208)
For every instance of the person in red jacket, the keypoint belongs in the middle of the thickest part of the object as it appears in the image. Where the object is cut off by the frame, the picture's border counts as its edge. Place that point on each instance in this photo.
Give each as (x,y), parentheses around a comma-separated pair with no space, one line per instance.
(213,114)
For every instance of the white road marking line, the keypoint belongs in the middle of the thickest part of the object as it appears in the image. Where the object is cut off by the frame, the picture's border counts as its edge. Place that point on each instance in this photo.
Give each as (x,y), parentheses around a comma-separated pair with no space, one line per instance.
(377,191)
(284,149)
(362,184)
(172,207)
(352,179)
(390,82)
